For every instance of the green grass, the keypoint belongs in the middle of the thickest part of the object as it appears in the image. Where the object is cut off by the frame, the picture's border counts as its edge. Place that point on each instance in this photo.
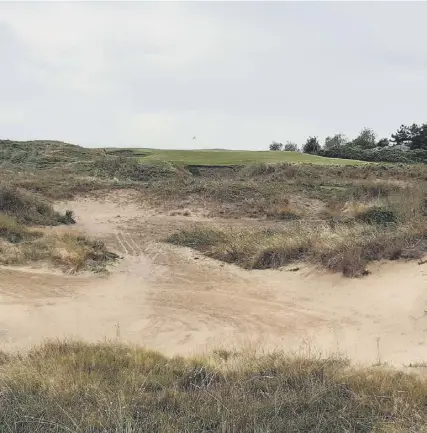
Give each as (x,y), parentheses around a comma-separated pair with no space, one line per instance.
(85,388)
(228,157)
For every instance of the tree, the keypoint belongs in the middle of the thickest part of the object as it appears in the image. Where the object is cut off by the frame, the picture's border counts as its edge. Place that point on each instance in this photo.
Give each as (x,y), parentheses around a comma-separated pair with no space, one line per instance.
(311,145)
(366,139)
(336,141)
(413,136)
(276,146)
(291,147)
(383,142)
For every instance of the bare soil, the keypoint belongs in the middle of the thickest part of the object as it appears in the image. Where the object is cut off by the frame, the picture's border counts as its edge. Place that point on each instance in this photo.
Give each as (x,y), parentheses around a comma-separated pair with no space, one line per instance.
(180,302)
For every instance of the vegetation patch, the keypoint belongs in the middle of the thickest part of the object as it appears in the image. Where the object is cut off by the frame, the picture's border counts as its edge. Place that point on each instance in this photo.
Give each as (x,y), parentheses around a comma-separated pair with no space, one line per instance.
(29,209)
(378,215)
(78,387)
(345,248)
(69,251)
(198,238)
(14,232)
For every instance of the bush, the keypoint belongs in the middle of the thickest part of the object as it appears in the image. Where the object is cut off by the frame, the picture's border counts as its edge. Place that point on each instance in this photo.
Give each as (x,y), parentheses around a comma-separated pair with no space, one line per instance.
(378,215)
(336,141)
(274,146)
(28,209)
(384,142)
(387,154)
(312,146)
(198,238)
(366,139)
(12,231)
(291,147)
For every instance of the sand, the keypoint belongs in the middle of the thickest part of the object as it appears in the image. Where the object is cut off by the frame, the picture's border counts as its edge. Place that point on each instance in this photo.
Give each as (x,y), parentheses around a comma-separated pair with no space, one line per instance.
(179,302)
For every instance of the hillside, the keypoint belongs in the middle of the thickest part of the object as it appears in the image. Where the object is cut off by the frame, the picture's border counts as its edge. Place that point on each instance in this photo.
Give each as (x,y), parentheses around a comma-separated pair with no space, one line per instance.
(231,295)
(43,153)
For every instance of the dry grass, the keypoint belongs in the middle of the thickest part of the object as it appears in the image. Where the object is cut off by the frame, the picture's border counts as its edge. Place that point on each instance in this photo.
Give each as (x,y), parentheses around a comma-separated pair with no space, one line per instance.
(391,227)
(77,387)
(333,216)
(343,248)
(12,231)
(27,208)
(68,251)
(20,244)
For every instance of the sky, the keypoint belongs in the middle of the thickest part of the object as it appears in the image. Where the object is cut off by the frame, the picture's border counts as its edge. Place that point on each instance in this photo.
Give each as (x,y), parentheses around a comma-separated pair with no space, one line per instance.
(235,75)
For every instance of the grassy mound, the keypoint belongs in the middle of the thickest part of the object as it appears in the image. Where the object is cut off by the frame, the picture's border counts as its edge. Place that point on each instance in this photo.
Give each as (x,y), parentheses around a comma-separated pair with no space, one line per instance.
(29,209)
(343,248)
(12,231)
(42,154)
(77,387)
(21,244)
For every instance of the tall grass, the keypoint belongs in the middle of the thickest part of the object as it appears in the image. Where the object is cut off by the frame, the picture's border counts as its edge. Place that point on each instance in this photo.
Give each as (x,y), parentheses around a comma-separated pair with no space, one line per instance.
(78,387)
(68,251)
(346,240)
(20,244)
(29,209)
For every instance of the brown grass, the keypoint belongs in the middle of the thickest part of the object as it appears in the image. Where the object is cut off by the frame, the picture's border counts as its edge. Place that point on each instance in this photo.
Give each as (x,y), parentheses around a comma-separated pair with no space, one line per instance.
(28,208)
(333,216)
(78,387)
(68,251)
(344,248)
(358,232)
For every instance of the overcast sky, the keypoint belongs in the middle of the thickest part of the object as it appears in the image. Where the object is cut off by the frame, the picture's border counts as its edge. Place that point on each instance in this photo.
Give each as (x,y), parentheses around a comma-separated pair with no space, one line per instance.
(235,75)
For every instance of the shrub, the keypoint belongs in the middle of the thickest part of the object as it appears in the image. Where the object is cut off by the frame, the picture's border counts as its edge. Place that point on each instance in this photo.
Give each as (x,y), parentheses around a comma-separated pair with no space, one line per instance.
(312,146)
(387,154)
(336,141)
(12,231)
(291,147)
(29,209)
(378,215)
(274,146)
(199,238)
(365,140)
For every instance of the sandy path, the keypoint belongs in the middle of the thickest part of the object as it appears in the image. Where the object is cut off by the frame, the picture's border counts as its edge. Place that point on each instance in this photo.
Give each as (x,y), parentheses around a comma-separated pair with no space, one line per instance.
(179,302)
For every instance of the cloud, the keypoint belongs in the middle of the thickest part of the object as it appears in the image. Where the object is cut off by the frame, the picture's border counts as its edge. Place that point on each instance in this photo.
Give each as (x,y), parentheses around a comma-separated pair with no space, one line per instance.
(235,74)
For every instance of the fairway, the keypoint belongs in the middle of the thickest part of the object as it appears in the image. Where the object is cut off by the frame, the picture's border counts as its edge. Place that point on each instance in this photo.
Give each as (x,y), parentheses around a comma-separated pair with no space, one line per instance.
(228,157)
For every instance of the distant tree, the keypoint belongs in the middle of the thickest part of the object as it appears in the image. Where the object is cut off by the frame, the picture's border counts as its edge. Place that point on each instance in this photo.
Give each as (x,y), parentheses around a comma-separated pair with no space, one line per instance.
(383,142)
(276,146)
(413,136)
(291,147)
(336,141)
(311,145)
(366,139)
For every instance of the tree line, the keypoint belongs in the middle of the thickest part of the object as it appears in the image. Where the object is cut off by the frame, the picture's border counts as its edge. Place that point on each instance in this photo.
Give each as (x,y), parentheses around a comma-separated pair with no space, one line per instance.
(407,144)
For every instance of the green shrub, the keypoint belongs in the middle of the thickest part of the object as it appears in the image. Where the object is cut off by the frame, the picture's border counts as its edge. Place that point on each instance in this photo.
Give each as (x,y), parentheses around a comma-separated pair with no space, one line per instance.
(198,238)
(378,215)
(387,154)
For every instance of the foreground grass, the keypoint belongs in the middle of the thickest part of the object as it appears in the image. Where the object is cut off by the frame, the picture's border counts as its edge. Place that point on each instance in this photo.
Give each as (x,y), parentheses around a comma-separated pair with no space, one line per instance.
(234,157)
(77,387)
